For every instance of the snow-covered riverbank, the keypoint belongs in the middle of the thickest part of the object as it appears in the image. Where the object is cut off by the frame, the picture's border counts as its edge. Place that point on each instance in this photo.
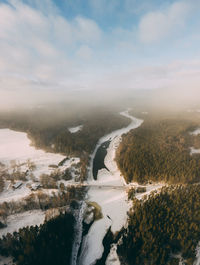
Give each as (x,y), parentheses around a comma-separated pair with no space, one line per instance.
(112,199)
(113,202)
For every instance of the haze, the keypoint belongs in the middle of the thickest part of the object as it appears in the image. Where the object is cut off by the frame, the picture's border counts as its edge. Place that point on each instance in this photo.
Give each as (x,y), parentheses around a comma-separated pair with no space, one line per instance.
(112,50)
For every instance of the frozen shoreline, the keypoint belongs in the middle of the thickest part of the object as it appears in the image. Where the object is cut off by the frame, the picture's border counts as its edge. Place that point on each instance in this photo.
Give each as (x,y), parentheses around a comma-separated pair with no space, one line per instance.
(113,202)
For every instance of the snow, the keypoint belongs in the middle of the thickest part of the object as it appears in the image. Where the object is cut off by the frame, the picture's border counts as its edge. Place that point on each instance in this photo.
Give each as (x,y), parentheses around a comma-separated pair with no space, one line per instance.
(196,132)
(194,151)
(113,201)
(134,124)
(6,261)
(17,221)
(75,129)
(197,261)
(16,146)
(89,218)
(14,195)
(69,162)
(149,189)
(78,233)
(113,258)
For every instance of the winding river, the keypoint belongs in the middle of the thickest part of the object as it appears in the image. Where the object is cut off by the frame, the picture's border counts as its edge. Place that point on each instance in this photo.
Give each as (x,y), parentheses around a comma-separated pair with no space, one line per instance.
(113,200)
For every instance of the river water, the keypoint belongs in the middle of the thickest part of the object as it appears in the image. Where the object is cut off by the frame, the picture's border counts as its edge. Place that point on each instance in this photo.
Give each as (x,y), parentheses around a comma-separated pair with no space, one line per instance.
(113,200)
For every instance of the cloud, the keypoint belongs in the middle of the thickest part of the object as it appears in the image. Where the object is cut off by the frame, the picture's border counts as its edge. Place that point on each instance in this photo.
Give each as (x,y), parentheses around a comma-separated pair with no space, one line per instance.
(42,51)
(158,25)
(86,30)
(38,48)
(85,52)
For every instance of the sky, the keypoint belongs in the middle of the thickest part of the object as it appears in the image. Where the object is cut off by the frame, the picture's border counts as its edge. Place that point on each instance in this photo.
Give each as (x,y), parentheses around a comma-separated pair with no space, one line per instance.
(51,47)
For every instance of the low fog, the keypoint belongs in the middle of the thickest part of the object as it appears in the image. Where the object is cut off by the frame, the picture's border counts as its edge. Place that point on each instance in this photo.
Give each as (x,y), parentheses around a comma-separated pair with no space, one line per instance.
(163,98)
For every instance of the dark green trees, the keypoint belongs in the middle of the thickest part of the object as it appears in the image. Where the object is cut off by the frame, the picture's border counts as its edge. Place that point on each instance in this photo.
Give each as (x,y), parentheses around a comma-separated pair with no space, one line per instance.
(163,225)
(49,244)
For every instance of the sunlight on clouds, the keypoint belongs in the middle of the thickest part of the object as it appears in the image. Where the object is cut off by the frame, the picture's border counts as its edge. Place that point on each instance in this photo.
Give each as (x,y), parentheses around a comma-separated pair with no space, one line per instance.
(42,49)
(37,45)
(158,25)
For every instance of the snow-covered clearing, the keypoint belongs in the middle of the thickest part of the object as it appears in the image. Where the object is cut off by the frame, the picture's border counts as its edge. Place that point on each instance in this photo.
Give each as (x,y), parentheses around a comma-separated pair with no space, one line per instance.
(14,195)
(194,151)
(17,221)
(6,260)
(17,146)
(113,258)
(197,261)
(75,129)
(114,203)
(196,132)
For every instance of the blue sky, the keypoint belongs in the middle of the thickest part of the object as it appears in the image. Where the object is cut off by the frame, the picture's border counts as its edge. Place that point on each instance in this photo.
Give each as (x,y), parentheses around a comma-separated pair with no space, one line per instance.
(66,45)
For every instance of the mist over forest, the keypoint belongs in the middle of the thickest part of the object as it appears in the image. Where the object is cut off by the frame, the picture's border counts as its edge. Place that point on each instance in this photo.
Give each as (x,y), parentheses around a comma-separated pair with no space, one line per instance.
(99,132)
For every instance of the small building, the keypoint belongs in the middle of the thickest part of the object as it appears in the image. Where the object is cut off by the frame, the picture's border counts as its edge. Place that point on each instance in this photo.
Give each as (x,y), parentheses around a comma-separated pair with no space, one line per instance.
(35,186)
(17,185)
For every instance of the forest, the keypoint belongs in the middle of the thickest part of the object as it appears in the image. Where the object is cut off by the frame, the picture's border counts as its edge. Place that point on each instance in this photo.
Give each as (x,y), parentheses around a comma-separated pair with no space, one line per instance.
(47,244)
(48,128)
(165,224)
(159,150)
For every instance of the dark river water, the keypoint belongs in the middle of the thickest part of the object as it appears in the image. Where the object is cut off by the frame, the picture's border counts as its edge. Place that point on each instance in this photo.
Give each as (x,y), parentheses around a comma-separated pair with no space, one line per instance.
(98,162)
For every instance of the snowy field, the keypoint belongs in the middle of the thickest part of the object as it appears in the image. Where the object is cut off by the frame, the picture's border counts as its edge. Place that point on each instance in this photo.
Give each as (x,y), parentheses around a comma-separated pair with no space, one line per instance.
(17,221)
(5,261)
(196,132)
(75,129)
(197,261)
(194,151)
(17,146)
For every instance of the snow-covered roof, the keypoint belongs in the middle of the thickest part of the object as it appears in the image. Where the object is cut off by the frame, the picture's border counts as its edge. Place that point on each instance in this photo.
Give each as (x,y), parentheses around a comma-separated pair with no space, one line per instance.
(17,185)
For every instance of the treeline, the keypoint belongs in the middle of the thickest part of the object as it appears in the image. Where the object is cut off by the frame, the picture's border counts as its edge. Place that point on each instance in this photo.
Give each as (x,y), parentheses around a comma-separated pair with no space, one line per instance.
(42,201)
(48,244)
(48,128)
(159,150)
(162,226)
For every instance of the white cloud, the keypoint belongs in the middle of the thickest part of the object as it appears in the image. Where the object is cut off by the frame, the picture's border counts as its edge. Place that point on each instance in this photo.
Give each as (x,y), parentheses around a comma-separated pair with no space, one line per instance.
(42,50)
(85,52)
(37,49)
(86,30)
(157,25)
